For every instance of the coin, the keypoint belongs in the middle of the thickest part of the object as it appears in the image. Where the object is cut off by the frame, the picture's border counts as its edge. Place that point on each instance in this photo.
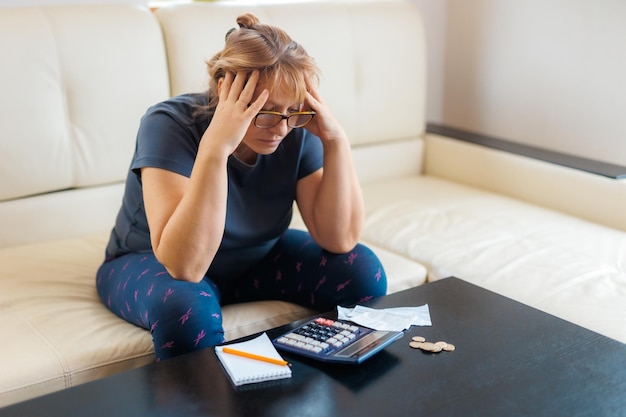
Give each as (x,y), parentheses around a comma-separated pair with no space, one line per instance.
(419,342)
(430,347)
(449,347)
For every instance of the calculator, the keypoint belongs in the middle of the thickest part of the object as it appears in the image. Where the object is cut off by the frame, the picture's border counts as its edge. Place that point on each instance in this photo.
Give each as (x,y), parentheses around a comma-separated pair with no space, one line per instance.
(338,341)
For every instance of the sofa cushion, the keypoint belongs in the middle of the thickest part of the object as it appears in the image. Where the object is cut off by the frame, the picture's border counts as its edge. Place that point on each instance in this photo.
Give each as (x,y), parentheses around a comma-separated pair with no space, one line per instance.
(61,335)
(65,335)
(59,215)
(70,112)
(563,265)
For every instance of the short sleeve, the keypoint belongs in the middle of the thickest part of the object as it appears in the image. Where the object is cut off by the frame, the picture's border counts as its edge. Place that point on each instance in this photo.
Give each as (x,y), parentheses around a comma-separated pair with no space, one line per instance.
(168,139)
(312,157)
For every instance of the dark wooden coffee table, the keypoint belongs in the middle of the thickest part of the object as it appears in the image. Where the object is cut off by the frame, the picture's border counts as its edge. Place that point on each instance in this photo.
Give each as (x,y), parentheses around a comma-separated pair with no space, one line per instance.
(510,360)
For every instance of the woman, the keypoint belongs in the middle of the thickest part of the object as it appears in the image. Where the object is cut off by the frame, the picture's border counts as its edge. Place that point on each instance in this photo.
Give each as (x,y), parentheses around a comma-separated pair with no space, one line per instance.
(209,196)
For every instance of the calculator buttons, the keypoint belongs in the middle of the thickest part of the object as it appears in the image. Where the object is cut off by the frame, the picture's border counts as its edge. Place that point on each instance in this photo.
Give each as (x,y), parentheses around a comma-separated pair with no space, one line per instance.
(335,341)
(320,335)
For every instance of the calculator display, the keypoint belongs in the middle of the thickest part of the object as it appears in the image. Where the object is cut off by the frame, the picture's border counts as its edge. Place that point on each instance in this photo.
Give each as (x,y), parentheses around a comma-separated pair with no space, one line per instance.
(364,345)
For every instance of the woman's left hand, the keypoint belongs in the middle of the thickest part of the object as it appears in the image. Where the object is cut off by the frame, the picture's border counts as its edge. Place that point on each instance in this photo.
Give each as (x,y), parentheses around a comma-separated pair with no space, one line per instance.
(330,199)
(324,124)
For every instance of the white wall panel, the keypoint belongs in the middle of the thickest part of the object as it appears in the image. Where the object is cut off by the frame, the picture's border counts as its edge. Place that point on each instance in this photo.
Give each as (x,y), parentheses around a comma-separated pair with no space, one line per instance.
(545,73)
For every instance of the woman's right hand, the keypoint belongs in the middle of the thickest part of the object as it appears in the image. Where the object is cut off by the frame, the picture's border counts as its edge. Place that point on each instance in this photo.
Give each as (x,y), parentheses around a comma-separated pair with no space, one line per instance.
(235,110)
(187,215)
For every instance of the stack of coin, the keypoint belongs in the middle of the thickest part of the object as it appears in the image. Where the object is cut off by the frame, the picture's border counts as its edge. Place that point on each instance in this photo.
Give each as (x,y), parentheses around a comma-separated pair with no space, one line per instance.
(419,342)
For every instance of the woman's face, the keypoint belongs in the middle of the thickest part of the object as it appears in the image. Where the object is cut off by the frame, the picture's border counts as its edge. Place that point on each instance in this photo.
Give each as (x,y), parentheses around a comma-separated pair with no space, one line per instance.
(266,141)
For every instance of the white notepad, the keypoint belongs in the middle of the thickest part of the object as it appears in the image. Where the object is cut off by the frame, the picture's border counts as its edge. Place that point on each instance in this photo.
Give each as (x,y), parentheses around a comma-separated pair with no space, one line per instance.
(247,371)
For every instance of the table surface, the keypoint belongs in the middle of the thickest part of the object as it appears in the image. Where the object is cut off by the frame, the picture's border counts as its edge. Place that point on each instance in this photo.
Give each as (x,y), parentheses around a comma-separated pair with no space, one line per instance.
(510,360)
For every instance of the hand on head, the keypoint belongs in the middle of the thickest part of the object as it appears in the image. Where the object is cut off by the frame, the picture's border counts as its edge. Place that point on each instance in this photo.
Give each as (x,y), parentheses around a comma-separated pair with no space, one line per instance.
(324,124)
(236,108)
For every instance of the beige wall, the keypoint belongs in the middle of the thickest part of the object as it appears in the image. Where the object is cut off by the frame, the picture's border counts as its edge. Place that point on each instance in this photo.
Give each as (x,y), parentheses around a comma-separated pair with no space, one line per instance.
(549,73)
(434,17)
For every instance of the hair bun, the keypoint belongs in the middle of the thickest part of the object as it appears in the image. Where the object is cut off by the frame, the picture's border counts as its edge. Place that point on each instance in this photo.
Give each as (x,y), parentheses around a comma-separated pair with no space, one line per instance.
(247,21)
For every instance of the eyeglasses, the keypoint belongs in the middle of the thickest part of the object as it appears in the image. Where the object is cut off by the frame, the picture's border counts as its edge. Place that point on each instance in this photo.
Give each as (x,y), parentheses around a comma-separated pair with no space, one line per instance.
(266,119)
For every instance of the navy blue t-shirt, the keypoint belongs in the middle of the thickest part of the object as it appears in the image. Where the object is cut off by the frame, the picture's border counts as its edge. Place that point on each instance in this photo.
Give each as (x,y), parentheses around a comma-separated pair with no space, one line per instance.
(260,196)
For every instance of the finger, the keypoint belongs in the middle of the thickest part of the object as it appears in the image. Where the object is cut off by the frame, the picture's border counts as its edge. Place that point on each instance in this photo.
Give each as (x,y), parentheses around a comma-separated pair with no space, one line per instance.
(258,104)
(311,85)
(312,102)
(250,86)
(224,86)
(240,78)
(237,85)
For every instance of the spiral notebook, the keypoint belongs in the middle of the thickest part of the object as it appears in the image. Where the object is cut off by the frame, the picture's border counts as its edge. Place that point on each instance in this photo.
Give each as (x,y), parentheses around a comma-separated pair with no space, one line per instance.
(248,371)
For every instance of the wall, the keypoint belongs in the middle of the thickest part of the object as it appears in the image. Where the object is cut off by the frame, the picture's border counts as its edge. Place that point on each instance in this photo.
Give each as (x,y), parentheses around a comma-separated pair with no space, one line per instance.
(545,73)
(434,18)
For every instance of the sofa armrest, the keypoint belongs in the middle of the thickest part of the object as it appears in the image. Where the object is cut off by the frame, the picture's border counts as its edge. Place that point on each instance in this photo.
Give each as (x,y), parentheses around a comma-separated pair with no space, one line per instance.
(582,194)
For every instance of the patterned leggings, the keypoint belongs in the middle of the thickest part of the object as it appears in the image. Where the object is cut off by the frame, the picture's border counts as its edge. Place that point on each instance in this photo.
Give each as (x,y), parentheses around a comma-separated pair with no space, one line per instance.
(184,316)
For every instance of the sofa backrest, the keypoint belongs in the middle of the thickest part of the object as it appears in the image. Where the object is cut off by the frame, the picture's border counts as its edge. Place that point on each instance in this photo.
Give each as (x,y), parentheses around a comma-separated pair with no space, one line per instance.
(75,81)
(372,56)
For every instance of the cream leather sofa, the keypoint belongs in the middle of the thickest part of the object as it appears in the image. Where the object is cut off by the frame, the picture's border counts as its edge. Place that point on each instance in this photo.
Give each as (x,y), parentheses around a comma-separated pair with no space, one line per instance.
(75,82)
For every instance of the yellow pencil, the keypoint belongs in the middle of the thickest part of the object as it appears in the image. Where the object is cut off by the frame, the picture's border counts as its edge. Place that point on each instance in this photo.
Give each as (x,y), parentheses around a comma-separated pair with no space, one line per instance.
(254,356)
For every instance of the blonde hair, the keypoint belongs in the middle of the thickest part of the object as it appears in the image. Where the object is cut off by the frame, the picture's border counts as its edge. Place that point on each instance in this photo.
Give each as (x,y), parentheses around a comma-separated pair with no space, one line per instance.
(282,62)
